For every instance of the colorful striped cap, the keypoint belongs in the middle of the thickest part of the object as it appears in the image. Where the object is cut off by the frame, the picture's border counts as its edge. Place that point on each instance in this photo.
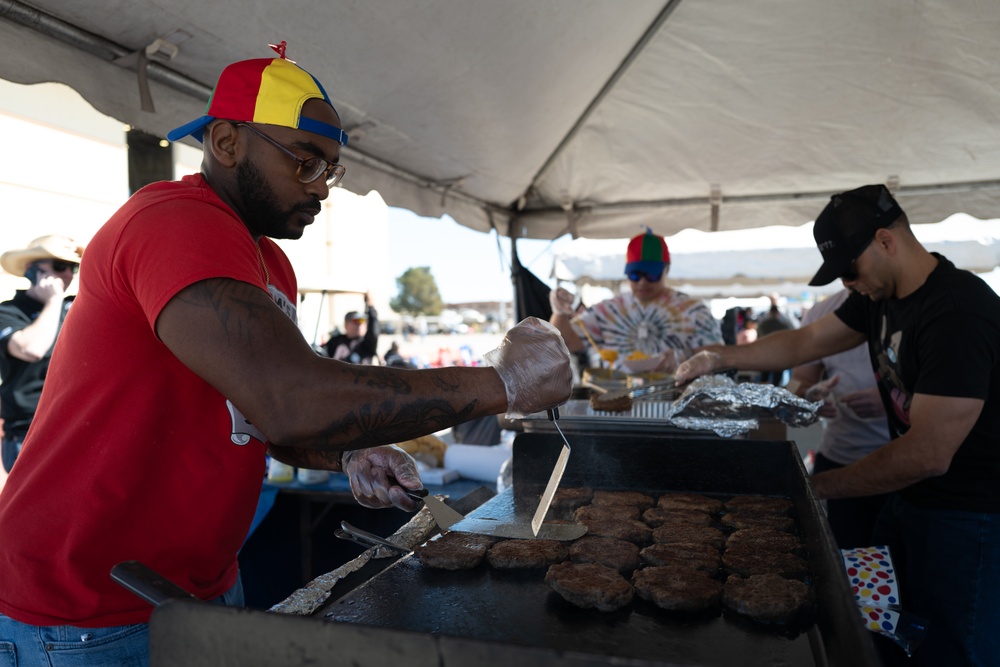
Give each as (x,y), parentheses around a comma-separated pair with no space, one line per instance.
(263,90)
(646,252)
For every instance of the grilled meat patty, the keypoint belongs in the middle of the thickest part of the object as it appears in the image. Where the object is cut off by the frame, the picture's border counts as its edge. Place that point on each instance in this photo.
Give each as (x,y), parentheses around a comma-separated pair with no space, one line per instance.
(590,585)
(689,501)
(618,554)
(747,560)
(768,598)
(669,533)
(514,554)
(658,516)
(677,588)
(683,554)
(454,551)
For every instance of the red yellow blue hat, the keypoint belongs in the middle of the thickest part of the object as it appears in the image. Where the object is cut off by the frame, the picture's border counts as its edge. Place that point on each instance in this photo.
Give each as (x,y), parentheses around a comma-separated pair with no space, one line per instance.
(264,90)
(647,253)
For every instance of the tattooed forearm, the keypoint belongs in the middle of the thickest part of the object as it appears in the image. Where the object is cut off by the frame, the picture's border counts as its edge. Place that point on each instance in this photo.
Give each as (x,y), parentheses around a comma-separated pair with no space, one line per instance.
(390,423)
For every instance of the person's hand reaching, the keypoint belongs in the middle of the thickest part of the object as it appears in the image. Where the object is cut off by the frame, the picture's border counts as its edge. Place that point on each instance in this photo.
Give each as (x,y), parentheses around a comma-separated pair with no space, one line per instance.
(381,476)
(866,404)
(561,302)
(702,363)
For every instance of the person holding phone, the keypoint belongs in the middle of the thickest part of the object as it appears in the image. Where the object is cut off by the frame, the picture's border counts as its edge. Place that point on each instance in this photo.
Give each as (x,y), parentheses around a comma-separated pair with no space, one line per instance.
(29,325)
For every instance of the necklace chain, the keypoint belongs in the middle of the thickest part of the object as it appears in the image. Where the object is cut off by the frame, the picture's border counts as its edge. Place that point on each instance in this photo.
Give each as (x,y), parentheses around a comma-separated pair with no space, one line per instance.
(263,265)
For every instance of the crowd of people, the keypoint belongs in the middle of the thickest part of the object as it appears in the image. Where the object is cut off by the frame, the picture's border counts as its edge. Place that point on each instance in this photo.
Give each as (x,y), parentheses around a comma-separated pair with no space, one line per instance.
(180,368)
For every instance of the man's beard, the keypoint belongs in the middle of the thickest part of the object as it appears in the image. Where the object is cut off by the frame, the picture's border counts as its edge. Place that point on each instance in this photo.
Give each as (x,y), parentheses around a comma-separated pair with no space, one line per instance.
(260,211)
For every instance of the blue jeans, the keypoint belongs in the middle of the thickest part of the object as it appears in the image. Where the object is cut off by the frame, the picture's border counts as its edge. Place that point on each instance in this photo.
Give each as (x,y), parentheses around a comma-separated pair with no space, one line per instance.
(70,646)
(948,565)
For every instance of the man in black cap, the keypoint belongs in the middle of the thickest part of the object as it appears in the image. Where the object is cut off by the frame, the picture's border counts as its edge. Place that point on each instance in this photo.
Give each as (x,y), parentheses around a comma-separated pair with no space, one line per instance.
(933,334)
(359,342)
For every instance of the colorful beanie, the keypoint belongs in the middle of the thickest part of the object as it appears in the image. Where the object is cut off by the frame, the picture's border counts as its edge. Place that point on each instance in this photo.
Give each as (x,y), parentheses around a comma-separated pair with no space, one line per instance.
(646,252)
(263,90)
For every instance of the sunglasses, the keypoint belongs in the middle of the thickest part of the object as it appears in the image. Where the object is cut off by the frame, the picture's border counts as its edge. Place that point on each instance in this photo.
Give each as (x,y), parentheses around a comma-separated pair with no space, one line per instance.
(636,276)
(850,274)
(59,267)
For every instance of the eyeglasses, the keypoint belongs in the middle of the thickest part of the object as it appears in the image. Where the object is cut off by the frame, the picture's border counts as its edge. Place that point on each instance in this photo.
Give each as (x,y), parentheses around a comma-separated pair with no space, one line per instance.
(59,267)
(310,168)
(850,274)
(636,276)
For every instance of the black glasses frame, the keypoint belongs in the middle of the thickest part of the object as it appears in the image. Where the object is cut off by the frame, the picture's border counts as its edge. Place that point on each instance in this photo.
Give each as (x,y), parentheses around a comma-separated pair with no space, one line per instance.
(59,266)
(331,173)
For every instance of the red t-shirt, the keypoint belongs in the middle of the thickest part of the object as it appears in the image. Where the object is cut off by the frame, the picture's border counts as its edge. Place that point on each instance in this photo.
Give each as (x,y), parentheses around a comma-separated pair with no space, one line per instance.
(131,455)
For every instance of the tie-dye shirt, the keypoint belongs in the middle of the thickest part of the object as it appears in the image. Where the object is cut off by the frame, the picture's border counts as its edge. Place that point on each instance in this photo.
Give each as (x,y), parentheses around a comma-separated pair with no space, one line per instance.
(673,321)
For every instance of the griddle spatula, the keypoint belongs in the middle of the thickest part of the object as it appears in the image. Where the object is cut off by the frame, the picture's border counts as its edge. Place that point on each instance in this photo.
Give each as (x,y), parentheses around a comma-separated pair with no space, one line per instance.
(444,516)
(557,472)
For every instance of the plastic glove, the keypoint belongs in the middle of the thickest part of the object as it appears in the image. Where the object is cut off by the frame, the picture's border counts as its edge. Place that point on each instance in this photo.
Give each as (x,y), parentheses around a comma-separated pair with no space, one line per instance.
(669,360)
(533,362)
(866,404)
(380,477)
(700,364)
(561,302)
(821,390)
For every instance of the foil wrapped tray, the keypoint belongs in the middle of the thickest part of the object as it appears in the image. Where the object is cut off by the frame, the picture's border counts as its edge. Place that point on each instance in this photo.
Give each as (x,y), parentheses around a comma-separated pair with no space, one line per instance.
(709,406)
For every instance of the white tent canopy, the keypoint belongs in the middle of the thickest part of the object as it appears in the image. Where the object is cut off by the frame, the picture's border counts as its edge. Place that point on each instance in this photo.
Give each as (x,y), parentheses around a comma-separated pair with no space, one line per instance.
(765,260)
(593,116)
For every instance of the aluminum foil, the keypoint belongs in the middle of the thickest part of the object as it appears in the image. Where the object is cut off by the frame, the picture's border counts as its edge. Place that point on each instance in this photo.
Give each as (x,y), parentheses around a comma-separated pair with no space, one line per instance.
(717,403)
(311,597)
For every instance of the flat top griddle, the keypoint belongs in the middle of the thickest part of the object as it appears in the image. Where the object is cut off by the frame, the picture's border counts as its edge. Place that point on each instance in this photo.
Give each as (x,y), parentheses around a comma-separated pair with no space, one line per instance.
(519,608)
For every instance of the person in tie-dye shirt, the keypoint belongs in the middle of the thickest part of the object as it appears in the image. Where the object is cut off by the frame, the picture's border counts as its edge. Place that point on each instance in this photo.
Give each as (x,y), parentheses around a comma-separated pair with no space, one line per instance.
(651,319)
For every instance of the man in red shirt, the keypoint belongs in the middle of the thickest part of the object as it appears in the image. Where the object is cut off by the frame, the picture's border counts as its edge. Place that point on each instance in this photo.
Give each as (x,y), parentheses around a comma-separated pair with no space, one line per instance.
(180,367)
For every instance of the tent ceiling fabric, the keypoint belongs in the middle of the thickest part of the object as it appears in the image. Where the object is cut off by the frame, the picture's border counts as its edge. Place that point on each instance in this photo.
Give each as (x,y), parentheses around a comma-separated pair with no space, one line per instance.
(585,115)
(768,259)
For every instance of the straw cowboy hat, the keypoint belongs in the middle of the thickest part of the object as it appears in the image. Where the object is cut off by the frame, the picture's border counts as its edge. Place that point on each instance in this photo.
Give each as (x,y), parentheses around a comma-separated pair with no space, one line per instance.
(52,246)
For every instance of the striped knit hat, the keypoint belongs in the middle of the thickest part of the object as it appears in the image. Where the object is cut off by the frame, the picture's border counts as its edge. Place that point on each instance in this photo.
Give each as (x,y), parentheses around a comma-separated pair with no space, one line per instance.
(263,90)
(646,252)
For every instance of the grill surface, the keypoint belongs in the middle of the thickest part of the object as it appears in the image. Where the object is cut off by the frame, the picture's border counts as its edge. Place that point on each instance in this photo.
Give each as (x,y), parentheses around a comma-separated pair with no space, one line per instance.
(518,608)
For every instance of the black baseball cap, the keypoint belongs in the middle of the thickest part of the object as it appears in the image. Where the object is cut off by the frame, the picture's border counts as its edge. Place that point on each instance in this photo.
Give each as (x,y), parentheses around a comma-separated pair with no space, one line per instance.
(848,224)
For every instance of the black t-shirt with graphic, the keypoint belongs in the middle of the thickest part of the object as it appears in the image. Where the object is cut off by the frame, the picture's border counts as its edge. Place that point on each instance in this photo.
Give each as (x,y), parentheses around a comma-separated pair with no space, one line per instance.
(942,340)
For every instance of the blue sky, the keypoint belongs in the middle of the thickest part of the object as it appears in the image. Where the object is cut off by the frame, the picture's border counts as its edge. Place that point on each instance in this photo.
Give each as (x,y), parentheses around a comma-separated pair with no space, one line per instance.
(466,264)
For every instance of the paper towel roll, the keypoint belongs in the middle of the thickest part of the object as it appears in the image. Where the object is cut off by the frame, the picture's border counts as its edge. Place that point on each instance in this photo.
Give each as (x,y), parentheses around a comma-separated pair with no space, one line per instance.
(478,462)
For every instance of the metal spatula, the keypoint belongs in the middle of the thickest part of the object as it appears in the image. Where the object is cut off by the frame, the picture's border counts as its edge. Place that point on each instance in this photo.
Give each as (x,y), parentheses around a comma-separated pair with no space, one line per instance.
(444,516)
(557,472)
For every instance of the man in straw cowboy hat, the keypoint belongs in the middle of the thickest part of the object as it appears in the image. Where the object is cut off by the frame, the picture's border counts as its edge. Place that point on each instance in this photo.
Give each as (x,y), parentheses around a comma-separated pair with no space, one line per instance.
(29,325)
(196,369)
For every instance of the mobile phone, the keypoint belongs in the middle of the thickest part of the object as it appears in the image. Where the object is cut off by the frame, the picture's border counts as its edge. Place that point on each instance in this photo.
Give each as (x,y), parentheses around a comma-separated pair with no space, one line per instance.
(32,274)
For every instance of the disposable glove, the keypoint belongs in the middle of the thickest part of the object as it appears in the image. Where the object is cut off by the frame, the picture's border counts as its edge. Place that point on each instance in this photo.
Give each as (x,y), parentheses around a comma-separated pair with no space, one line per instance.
(561,302)
(700,364)
(669,360)
(380,477)
(534,364)
(866,404)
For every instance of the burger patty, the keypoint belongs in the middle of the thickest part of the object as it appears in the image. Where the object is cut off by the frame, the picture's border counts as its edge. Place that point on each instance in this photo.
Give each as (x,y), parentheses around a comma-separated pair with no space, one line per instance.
(658,516)
(747,560)
(760,505)
(768,598)
(454,551)
(590,585)
(618,554)
(630,530)
(742,520)
(619,498)
(599,512)
(611,402)
(670,533)
(568,498)
(689,501)
(677,588)
(684,554)
(515,554)
(766,539)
